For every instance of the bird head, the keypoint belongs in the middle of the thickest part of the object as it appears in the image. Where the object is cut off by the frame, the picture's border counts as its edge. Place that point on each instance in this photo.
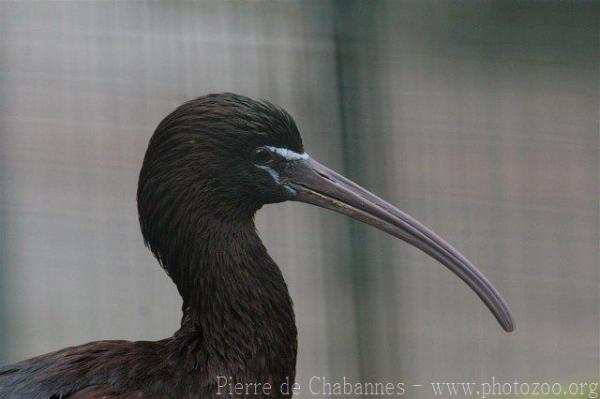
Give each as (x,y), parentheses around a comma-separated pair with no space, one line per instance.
(224,156)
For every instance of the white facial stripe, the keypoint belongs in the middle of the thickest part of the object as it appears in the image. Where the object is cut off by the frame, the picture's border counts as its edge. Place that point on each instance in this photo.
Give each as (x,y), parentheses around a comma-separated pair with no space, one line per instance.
(275,177)
(288,154)
(273,174)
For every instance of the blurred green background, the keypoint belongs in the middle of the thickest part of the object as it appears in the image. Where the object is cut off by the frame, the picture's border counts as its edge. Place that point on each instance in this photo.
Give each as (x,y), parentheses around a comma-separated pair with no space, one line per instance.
(480,119)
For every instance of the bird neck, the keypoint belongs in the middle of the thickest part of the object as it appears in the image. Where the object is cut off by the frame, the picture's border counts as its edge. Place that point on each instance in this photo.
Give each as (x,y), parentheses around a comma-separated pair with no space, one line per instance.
(237,310)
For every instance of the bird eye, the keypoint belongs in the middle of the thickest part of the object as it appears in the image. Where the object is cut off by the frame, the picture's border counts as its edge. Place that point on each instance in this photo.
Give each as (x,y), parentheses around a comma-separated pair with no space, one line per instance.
(262,156)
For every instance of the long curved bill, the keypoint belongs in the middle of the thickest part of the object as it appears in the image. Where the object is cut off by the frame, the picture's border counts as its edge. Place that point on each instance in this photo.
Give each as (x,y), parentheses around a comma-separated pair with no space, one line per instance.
(316,184)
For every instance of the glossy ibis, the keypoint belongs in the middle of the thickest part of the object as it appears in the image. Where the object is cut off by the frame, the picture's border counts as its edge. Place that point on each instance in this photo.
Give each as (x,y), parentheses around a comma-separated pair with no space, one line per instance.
(210,165)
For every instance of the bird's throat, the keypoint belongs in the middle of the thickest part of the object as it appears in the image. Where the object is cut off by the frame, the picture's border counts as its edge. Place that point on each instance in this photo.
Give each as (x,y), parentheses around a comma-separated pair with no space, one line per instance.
(236,305)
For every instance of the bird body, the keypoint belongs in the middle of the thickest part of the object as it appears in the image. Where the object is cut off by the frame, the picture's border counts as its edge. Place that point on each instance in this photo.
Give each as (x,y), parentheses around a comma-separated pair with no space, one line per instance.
(209,167)
(245,329)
